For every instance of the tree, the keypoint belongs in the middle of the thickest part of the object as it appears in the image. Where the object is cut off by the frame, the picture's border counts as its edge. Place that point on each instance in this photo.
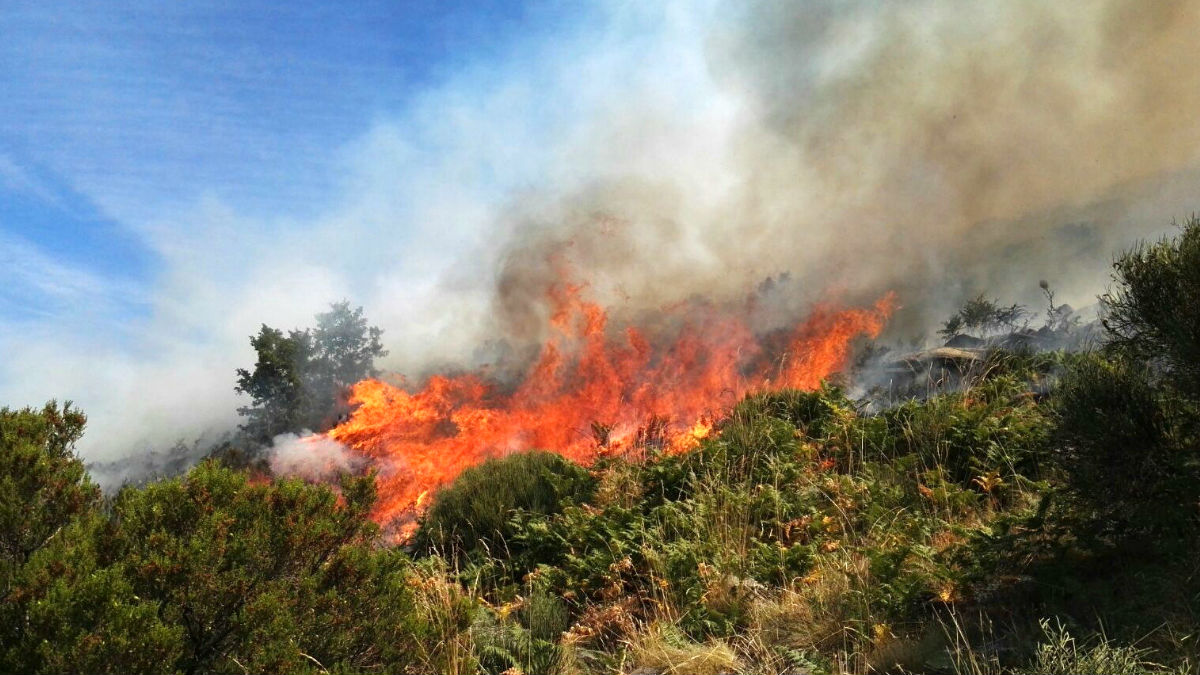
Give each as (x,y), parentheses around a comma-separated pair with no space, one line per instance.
(300,380)
(345,346)
(344,352)
(280,401)
(983,316)
(1128,416)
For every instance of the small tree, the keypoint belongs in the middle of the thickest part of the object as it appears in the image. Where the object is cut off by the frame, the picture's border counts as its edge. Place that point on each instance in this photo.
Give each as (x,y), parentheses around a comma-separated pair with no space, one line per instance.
(1128,418)
(345,346)
(983,316)
(300,380)
(280,401)
(1059,318)
(344,352)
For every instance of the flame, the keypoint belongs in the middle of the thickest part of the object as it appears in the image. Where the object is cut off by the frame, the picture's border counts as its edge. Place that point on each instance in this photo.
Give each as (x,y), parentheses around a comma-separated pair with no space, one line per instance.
(588,394)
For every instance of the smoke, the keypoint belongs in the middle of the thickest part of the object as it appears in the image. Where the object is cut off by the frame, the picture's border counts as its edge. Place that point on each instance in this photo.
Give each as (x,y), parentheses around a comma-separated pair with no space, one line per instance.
(661,153)
(311,457)
(933,147)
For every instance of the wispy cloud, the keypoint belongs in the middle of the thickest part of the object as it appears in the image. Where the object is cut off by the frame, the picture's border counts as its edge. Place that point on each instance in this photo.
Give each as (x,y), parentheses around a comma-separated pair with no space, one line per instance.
(16,178)
(34,284)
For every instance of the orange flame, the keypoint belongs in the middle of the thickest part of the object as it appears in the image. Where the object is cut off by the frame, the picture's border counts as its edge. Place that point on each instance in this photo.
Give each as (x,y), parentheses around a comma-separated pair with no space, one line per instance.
(588,394)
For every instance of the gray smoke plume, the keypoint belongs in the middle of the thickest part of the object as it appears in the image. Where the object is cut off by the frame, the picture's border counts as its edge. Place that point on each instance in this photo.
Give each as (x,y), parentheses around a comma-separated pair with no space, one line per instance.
(935,148)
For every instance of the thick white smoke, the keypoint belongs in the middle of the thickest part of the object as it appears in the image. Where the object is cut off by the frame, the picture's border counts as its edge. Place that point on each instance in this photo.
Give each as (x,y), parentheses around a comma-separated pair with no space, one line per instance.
(311,457)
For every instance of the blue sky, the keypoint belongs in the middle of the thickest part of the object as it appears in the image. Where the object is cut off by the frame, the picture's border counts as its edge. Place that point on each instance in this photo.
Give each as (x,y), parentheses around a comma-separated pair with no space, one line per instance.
(114,116)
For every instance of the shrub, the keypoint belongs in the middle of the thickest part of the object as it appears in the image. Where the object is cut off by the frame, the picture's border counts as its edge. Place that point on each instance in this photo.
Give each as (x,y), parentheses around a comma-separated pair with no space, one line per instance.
(1153,315)
(1122,454)
(814,413)
(1062,654)
(43,485)
(474,511)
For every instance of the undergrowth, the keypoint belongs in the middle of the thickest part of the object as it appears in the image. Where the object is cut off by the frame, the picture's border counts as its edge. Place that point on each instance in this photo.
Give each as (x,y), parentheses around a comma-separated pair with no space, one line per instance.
(806,535)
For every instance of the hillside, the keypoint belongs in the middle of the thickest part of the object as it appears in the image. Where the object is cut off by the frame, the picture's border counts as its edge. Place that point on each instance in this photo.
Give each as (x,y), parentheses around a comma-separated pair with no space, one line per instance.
(1037,514)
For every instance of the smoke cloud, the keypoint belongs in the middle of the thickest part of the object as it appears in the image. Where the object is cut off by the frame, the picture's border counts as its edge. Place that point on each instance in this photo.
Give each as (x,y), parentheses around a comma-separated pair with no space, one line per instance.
(930,147)
(311,457)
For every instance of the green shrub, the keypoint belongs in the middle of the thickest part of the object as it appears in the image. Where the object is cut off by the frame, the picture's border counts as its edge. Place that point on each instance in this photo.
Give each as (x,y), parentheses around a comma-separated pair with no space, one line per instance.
(814,413)
(1122,452)
(473,513)
(43,485)
(1153,315)
(1062,654)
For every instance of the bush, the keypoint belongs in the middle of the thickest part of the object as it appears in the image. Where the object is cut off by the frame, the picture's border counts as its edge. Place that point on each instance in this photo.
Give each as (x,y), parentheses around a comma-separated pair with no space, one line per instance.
(1153,316)
(814,413)
(210,572)
(1122,451)
(43,485)
(474,511)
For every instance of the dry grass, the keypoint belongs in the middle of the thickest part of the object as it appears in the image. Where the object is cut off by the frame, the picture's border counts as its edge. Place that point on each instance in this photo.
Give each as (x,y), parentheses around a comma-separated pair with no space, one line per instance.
(444,605)
(663,649)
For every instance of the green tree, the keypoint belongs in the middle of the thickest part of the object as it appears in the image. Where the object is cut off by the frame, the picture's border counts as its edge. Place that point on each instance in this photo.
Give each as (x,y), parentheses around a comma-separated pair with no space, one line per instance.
(345,347)
(983,316)
(1127,418)
(300,379)
(1125,456)
(344,351)
(280,401)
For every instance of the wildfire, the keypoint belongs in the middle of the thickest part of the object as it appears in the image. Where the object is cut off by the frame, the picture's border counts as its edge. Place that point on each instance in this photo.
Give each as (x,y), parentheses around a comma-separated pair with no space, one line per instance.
(588,394)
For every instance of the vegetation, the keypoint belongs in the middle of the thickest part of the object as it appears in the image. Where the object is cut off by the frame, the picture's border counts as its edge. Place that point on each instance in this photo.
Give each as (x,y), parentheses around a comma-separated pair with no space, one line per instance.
(1041,518)
(472,513)
(983,316)
(300,380)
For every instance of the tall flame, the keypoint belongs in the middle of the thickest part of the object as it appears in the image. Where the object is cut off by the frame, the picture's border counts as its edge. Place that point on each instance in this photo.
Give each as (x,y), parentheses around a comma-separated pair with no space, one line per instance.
(586,395)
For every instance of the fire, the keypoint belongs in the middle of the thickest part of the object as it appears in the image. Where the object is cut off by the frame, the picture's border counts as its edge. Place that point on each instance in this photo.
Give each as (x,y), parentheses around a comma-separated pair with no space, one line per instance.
(591,392)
